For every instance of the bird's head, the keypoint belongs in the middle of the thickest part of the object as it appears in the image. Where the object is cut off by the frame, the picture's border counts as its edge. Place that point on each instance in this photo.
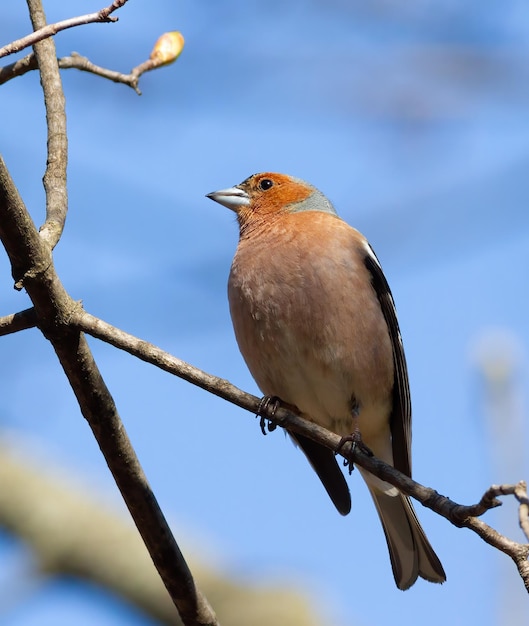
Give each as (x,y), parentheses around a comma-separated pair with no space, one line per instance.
(261,196)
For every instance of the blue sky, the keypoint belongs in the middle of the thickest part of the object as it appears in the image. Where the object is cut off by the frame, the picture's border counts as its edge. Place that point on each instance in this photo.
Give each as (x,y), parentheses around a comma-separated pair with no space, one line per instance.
(412,118)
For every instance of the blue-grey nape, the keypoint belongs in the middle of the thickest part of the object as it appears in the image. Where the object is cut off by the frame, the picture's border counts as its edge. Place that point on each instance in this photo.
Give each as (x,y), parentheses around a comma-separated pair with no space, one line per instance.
(315,202)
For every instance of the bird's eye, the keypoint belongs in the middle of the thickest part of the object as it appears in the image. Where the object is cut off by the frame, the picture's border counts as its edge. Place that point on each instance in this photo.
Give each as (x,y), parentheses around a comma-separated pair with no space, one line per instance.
(265,184)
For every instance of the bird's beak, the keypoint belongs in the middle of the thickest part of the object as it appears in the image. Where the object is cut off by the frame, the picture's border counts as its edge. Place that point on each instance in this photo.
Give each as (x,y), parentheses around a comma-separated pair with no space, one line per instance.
(233,198)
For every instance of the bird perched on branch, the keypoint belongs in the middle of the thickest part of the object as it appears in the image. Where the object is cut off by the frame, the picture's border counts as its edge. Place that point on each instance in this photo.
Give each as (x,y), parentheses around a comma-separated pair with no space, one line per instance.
(316,324)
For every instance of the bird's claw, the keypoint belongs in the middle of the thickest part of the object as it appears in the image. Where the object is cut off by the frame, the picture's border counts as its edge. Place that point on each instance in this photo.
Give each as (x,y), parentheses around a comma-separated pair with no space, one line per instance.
(266,411)
(355,439)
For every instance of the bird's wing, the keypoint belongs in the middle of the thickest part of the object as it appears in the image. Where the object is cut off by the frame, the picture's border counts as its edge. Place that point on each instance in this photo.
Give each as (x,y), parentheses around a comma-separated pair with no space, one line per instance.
(400,420)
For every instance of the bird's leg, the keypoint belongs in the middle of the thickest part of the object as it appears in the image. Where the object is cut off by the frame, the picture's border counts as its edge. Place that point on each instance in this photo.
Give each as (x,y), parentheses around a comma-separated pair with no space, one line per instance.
(355,438)
(266,411)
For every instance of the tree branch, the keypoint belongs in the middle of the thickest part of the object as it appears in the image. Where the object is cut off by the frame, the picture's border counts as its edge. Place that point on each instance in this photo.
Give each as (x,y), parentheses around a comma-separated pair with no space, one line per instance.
(19,68)
(458,514)
(32,266)
(78,62)
(46,31)
(520,493)
(18,321)
(55,174)
(156,356)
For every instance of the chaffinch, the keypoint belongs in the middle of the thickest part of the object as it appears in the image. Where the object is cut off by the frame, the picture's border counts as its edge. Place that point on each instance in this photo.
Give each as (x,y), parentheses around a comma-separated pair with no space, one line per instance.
(316,324)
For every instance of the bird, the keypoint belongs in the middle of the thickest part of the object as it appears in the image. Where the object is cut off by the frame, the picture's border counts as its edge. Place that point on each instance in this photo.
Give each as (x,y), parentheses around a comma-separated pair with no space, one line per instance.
(316,324)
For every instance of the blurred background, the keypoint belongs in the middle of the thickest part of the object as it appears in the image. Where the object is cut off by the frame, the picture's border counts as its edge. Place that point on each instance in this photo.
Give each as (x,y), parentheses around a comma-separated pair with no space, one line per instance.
(412,117)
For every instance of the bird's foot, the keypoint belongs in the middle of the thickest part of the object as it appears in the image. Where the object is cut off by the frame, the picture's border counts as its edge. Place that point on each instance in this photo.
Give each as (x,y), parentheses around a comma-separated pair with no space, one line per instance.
(355,439)
(265,411)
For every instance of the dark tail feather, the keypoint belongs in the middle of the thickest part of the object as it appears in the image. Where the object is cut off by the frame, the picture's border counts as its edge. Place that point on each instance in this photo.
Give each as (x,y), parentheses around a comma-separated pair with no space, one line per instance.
(325,465)
(409,549)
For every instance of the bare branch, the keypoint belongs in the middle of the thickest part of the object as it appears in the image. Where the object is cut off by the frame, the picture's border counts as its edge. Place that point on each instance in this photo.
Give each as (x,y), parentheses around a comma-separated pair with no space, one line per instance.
(156,356)
(32,265)
(55,174)
(18,321)
(18,68)
(46,31)
(83,64)
(457,514)
(78,62)
(520,492)
(488,501)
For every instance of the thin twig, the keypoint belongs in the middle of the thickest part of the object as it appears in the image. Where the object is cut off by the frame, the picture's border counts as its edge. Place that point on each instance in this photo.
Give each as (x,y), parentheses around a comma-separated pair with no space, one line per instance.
(488,501)
(18,68)
(85,65)
(18,321)
(156,356)
(520,492)
(55,175)
(78,62)
(49,30)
